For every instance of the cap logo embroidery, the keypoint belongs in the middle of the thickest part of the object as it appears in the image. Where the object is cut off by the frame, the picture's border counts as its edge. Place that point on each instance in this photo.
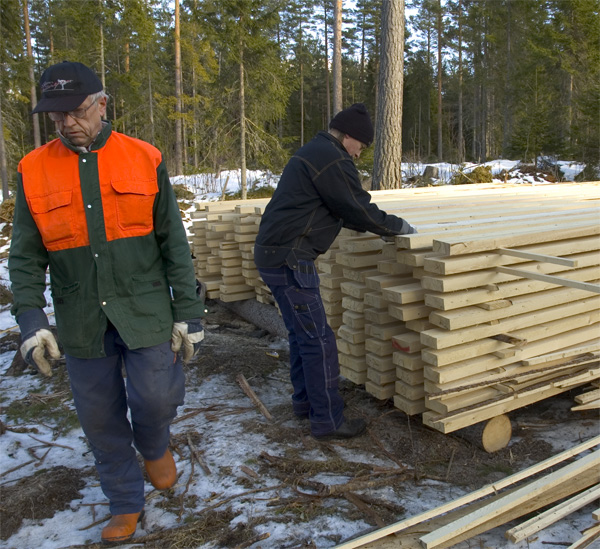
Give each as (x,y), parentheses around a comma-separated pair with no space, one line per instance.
(57,85)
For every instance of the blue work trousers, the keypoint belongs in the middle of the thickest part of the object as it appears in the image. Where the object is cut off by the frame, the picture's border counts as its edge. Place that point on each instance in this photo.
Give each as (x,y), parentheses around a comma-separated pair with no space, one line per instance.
(153,389)
(314,366)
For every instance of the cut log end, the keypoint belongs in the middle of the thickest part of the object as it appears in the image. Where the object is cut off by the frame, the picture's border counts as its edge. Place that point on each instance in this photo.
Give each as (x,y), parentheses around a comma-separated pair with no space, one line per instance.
(491,435)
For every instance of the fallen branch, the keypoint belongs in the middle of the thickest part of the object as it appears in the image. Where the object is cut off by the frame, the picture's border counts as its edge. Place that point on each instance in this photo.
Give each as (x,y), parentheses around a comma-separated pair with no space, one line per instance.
(46,443)
(197,456)
(243,383)
(365,509)
(17,467)
(252,541)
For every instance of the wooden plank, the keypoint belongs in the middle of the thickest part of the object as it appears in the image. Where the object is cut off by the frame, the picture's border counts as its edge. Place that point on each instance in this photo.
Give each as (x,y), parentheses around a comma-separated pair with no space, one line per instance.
(506,290)
(353,319)
(538,257)
(517,499)
(353,349)
(521,273)
(380,392)
(410,311)
(550,516)
(381,378)
(483,277)
(409,407)
(465,351)
(380,363)
(351,335)
(485,491)
(378,347)
(541,359)
(354,289)
(378,316)
(460,419)
(406,293)
(358,378)
(545,233)
(471,316)
(590,535)
(441,339)
(355,363)
(588,396)
(471,368)
(447,265)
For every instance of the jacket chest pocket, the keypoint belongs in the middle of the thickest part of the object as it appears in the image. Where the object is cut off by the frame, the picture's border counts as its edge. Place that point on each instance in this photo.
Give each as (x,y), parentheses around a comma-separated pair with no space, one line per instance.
(134,200)
(54,216)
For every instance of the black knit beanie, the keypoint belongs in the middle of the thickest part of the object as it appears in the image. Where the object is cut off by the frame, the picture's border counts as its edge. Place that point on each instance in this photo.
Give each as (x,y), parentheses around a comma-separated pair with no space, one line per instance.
(354,121)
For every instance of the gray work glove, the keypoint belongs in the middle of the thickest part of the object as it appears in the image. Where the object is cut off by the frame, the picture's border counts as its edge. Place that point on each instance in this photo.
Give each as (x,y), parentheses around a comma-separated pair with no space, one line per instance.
(37,339)
(411,229)
(187,334)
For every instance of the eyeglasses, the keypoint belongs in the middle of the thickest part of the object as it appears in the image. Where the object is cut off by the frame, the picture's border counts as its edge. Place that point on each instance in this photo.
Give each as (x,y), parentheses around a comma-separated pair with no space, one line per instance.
(77,113)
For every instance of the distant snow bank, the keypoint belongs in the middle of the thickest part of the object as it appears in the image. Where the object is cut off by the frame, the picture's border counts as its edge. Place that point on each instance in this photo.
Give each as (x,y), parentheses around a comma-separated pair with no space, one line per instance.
(214,186)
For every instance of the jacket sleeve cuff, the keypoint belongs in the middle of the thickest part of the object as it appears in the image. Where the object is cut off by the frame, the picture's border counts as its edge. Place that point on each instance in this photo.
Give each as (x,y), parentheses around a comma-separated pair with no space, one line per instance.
(31,321)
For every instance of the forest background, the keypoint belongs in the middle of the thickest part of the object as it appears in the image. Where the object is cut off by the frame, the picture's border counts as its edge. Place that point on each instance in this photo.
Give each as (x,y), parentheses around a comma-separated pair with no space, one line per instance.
(216,84)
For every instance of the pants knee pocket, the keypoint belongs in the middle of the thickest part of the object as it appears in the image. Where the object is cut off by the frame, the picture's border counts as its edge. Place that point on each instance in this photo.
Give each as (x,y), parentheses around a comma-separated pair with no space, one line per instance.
(308,310)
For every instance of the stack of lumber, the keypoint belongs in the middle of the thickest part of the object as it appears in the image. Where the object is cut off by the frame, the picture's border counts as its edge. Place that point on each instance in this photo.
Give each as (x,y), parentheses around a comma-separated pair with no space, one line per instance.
(589,400)
(573,485)
(493,305)
(223,235)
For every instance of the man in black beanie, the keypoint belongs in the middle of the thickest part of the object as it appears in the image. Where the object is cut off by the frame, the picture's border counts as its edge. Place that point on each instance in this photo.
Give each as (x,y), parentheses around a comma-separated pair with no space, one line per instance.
(319,193)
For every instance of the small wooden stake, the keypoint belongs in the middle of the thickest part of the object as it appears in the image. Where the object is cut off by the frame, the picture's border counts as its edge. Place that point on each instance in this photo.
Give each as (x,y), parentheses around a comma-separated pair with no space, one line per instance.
(243,383)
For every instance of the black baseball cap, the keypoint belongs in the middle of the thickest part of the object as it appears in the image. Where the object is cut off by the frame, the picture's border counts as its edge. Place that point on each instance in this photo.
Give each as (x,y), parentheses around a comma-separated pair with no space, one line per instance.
(65,86)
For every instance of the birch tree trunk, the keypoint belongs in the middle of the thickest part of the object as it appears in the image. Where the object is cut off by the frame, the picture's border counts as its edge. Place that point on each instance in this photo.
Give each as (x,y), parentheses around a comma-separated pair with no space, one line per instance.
(337,57)
(178,143)
(387,170)
(37,140)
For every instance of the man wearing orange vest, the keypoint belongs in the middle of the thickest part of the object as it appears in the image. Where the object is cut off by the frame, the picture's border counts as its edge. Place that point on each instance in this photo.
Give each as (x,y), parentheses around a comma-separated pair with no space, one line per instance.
(96,207)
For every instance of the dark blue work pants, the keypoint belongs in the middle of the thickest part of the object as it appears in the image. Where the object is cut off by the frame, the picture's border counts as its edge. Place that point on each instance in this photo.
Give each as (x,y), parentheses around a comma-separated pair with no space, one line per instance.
(314,366)
(152,390)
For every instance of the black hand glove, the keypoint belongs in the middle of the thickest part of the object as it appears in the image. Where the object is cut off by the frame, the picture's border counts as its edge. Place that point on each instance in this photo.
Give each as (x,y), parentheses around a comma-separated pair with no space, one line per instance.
(37,339)
(188,334)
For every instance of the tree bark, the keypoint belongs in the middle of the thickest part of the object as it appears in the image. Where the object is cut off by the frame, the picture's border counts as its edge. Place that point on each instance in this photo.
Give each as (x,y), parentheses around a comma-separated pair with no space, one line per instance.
(387,172)
(242,127)
(3,167)
(337,57)
(461,139)
(102,61)
(178,142)
(439,82)
(327,75)
(37,139)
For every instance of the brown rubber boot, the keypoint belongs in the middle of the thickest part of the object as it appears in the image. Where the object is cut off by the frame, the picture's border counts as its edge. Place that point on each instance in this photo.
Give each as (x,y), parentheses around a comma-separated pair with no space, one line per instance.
(162,472)
(121,528)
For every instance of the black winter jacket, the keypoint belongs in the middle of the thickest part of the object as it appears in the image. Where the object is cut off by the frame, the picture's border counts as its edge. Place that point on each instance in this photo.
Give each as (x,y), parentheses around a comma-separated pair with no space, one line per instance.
(319,193)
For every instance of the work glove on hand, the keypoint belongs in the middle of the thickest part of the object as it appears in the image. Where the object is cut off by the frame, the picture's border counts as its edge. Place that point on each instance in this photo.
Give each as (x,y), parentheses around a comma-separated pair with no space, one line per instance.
(188,335)
(37,339)
(411,228)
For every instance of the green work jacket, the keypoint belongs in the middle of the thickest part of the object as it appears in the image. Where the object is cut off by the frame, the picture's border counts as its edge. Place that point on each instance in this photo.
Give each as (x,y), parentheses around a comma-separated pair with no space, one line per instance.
(106,225)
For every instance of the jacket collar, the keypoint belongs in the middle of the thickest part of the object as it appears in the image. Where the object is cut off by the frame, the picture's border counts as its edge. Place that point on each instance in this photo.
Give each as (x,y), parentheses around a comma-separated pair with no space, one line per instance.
(98,143)
(333,140)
